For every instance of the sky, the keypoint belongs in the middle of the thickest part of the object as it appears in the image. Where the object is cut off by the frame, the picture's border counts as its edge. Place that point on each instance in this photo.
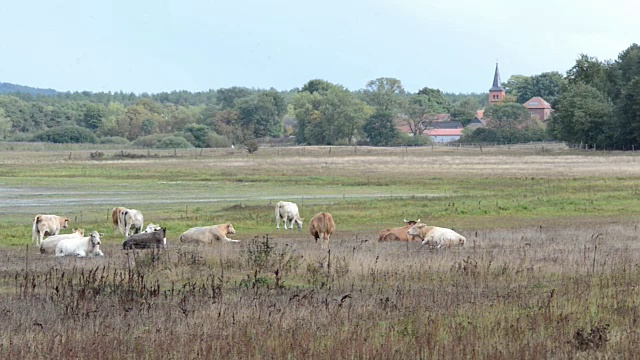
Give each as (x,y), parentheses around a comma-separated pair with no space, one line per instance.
(196,45)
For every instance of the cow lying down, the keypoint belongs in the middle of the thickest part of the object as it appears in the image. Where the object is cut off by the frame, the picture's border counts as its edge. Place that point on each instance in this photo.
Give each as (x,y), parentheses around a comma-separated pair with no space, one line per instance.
(146,240)
(436,237)
(80,246)
(48,245)
(208,234)
(398,233)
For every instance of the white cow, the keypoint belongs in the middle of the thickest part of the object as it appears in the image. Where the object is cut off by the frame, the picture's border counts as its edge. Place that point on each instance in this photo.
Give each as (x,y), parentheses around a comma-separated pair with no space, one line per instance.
(130,220)
(151,228)
(208,234)
(48,245)
(81,246)
(288,211)
(436,237)
(47,224)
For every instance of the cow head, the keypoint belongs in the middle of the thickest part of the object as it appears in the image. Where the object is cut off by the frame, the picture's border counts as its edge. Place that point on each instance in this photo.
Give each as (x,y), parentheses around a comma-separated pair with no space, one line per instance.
(230,229)
(65,223)
(151,228)
(94,238)
(78,231)
(416,230)
(298,220)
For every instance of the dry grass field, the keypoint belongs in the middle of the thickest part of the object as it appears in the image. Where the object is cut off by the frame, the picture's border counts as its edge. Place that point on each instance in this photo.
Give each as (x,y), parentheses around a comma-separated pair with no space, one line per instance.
(550,269)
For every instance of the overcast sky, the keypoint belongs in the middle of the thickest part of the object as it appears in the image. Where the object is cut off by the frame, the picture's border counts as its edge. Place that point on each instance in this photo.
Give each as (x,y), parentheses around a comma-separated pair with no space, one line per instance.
(196,45)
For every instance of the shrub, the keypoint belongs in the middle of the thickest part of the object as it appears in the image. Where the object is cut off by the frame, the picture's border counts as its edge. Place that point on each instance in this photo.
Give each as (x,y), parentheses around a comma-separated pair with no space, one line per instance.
(217,141)
(406,140)
(67,134)
(162,141)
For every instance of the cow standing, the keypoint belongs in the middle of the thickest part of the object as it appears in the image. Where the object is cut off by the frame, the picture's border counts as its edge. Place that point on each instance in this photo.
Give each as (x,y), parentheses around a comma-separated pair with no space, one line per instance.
(47,224)
(322,226)
(288,212)
(115,217)
(130,220)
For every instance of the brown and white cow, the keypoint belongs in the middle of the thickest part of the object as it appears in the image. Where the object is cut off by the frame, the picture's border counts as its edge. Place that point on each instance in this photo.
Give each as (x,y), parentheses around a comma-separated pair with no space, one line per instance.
(130,221)
(436,237)
(47,224)
(115,217)
(322,226)
(398,233)
(208,234)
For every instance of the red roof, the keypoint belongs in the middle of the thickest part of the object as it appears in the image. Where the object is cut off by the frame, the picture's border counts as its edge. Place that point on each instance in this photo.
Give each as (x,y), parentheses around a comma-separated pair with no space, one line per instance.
(537,102)
(444,132)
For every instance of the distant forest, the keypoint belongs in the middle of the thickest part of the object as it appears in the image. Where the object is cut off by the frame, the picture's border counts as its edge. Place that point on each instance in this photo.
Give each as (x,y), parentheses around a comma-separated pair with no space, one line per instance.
(596,104)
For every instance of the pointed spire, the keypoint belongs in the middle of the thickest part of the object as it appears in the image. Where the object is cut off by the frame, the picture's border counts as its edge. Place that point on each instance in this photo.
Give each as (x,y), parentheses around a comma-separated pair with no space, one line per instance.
(496,81)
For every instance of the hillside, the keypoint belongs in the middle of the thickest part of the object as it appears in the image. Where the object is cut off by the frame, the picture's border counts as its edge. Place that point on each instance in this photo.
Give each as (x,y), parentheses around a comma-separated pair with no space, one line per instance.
(13,88)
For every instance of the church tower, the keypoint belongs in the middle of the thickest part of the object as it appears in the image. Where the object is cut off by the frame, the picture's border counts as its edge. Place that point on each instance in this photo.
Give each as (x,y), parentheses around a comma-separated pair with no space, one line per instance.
(496,93)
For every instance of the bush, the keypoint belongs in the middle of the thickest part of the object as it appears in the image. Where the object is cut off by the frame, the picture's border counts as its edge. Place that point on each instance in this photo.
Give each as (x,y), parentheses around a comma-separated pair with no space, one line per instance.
(162,141)
(67,135)
(117,140)
(217,141)
(174,142)
(149,141)
(406,140)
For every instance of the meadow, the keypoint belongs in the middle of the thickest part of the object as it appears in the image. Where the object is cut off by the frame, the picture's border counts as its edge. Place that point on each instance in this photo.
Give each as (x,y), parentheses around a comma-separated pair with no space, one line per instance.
(550,269)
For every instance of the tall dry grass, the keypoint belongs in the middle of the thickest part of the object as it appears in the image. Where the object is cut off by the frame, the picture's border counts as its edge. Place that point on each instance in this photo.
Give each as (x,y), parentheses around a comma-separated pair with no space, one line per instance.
(557,292)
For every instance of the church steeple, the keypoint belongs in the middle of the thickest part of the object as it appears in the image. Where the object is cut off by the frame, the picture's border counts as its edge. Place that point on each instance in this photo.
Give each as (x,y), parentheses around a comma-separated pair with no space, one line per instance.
(496,93)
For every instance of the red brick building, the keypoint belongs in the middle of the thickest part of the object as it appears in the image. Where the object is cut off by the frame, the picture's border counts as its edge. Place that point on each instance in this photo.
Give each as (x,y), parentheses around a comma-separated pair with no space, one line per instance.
(538,108)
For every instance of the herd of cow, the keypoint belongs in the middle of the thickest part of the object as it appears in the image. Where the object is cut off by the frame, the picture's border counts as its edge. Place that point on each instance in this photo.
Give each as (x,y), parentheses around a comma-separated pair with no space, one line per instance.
(129,222)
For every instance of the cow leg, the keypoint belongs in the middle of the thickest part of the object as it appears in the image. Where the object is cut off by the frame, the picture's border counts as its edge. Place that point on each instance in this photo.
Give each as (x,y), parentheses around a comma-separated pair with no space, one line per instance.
(325,241)
(81,253)
(285,223)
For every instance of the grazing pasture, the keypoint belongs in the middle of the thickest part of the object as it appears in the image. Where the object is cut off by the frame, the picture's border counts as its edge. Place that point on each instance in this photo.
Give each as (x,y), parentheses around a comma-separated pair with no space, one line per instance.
(549,270)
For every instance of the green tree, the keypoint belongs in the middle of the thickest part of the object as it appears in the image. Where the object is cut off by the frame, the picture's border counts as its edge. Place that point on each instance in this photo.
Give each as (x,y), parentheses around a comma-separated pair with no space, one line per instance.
(380,129)
(317,85)
(92,116)
(197,135)
(263,114)
(591,71)
(508,118)
(437,98)
(464,110)
(629,110)
(384,93)
(547,85)
(5,125)
(229,97)
(583,115)
(420,111)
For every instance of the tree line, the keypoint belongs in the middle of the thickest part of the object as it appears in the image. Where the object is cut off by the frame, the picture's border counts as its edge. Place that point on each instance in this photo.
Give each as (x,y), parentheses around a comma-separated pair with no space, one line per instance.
(596,103)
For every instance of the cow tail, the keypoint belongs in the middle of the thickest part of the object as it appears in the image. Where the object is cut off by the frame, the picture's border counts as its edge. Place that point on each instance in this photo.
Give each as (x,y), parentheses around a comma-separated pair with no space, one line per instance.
(124,221)
(34,230)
